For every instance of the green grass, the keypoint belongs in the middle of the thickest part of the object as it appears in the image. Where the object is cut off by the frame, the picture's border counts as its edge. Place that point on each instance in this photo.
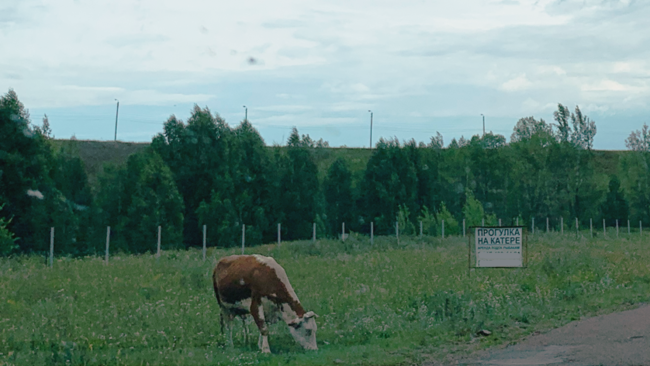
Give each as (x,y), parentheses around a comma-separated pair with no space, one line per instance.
(95,154)
(382,305)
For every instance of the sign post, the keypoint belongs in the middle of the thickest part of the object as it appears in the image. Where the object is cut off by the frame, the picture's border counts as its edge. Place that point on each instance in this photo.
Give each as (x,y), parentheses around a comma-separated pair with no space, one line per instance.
(498,247)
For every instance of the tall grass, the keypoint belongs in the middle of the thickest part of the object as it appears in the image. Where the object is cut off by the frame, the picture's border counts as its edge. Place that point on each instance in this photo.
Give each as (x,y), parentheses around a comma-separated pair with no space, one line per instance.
(386,304)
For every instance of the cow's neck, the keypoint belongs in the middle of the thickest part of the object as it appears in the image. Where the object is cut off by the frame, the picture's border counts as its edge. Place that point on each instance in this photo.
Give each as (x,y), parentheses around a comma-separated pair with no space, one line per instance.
(291,310)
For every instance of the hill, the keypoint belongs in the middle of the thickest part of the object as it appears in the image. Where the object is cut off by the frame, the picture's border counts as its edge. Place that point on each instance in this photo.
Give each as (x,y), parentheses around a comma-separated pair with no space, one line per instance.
(95,154)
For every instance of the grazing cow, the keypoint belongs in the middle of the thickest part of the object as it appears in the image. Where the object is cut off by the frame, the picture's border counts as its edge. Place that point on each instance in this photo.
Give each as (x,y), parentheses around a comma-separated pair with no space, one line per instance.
(258,285)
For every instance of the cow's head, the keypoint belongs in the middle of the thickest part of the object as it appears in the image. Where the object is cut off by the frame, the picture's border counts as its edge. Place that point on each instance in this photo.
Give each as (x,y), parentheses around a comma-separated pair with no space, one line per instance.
(303,330)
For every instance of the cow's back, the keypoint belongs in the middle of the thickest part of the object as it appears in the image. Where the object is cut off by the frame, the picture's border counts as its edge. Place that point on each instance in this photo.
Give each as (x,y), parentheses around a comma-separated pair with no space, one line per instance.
(237,277)
(231,278)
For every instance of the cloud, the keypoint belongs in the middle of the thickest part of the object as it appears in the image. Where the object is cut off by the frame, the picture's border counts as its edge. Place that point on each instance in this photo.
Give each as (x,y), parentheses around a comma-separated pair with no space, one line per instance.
(330,62)
(72,95)
(284,108)
(607,85)
(517,84)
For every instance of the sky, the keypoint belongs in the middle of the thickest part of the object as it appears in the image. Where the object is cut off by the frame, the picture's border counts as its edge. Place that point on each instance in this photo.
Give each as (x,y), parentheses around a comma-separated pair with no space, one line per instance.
(421,66)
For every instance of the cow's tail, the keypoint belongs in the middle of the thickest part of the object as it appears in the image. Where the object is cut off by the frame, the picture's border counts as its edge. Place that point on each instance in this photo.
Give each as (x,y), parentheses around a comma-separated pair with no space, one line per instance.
(216,293)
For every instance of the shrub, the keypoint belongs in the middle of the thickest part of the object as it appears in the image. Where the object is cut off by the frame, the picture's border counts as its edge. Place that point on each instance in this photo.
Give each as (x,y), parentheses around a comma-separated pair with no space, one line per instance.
(7,238)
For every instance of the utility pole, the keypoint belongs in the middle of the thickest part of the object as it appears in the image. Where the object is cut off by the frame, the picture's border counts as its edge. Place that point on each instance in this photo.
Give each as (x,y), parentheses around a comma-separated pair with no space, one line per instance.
(116,112)
(370,128)
(246,114)
(483,124)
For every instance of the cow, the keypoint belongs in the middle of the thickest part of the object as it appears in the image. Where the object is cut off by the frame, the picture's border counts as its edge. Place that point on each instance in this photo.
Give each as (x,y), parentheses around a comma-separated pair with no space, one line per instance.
(259,286)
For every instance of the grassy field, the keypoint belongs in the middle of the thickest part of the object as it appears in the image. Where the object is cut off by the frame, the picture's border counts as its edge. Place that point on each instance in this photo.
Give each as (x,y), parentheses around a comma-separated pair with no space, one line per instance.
(95,154)
(389,304)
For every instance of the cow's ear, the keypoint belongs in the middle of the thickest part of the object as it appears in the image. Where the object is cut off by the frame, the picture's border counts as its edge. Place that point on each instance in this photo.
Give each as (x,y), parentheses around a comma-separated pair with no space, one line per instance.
(310,314)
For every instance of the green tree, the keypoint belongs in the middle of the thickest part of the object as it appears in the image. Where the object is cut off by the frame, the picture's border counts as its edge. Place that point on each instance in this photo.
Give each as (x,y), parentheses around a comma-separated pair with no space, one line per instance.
(634,169)
(221,220)
(299,188)
(451,224)
(154,201)
(390,179)
(429,223)
(404,222)
(473,210)
(199,155)
(580,190)
(338,196)
(26,184)
(252,194)
(615,205)
(7,238)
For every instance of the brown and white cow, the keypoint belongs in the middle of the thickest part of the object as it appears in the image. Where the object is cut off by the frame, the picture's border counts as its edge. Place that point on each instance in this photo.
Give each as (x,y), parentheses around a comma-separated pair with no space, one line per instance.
(258,285)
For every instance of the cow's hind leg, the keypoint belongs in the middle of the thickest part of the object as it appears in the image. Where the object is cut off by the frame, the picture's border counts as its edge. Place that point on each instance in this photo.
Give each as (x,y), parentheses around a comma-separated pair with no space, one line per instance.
(228,317)
(258,314)
(243,322)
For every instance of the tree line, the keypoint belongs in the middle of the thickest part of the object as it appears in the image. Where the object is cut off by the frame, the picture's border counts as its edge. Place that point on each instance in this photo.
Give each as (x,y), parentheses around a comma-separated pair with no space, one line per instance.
(204,172)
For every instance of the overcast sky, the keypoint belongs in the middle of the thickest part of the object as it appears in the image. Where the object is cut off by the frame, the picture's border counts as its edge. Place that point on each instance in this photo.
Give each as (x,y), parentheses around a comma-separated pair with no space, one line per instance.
(421,66)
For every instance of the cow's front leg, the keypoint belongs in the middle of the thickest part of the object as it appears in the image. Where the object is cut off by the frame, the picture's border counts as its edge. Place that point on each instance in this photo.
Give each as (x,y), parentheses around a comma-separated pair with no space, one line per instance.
(258,314)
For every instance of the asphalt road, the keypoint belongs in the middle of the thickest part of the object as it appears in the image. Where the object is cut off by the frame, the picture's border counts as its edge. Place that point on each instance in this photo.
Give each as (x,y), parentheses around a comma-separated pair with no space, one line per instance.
(614,339)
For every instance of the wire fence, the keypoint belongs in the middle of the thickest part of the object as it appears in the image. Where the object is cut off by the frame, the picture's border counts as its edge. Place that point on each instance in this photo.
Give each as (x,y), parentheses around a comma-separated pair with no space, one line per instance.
(612,228)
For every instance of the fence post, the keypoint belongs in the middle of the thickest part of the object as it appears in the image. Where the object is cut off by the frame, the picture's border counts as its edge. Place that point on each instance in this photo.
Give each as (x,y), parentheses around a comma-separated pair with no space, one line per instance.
(562,225)
(463,228)
(159,235)
(604,228)
(628,227)
(640,228)
(517,221)
(499,222)
(617,228)
(51,246)
(279,238)
(577,229)
(314,235)
(420,230)
(547,224)
(483,221)
(343,231)
(372,232)
(243,238)
(108,240)
(443,229)
(533,225)
(397,231)
(204,241)
(591,228)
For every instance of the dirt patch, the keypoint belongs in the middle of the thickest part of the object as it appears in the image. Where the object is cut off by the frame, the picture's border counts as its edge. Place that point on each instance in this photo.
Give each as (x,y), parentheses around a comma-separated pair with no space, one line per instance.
(614,339)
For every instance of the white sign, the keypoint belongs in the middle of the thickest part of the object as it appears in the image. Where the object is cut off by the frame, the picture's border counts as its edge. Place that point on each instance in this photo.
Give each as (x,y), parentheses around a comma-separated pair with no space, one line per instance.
(499,247)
